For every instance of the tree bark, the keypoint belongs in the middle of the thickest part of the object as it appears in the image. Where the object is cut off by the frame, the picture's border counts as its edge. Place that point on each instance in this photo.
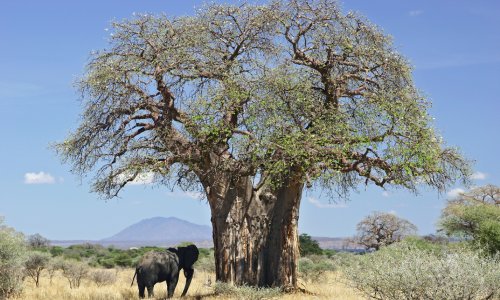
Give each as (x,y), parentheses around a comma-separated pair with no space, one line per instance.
(255,231)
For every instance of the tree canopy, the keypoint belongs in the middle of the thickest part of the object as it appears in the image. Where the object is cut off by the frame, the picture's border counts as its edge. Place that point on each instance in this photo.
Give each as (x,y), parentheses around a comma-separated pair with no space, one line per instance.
(256,90)
(308,246)
(475,215)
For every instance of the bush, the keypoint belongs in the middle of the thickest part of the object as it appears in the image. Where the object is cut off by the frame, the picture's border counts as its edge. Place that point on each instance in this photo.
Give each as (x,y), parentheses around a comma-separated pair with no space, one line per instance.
(74,271)
(103,277)
(314,267)
(12,256)
(405,271)
(245,292)
(206,264)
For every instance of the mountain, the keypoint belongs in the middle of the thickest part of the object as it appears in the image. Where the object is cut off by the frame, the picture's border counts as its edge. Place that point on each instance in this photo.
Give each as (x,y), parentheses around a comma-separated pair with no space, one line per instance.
(161,230)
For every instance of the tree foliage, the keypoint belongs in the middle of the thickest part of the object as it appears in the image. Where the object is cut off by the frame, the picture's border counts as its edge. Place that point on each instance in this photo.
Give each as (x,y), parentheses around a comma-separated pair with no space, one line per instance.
(12,255)
(308,246)
(381,229)
(259,90)
(475,215)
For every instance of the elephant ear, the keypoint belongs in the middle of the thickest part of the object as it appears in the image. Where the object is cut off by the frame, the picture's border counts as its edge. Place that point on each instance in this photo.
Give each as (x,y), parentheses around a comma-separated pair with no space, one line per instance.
(188,256)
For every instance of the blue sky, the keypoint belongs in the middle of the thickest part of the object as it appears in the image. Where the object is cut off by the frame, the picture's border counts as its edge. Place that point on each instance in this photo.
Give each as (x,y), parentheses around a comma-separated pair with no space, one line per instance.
(44,45)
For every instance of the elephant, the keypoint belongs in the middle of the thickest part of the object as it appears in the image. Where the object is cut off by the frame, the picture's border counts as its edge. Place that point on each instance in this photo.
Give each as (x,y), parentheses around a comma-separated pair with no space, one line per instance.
(158,266)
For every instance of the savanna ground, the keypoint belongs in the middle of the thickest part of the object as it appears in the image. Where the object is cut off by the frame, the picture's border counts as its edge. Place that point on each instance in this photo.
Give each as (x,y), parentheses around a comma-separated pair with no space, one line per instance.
(331,286)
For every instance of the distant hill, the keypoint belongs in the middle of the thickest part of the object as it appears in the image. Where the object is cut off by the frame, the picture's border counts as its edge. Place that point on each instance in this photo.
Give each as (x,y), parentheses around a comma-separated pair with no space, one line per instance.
(166,232)
(160,231)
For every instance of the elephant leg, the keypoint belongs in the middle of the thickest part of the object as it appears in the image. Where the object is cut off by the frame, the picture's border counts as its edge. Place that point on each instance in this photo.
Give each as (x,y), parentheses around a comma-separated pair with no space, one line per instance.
(171,284)
(142,287)
(151,293)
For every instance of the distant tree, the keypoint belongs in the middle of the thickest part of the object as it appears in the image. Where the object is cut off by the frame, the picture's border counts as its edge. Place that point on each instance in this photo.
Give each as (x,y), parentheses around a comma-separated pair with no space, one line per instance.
(475,215)
(12,255)
(35,264)
(382,229)
(250,104)
(36,241)
(308,246)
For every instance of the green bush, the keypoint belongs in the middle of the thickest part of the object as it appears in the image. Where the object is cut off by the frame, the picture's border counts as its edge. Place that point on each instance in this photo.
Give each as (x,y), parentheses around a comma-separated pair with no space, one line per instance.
(314,267)
(408,271)
(12,256)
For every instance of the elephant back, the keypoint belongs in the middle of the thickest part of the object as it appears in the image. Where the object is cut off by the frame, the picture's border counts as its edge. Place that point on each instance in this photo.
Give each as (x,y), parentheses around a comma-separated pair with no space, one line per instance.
(159,261)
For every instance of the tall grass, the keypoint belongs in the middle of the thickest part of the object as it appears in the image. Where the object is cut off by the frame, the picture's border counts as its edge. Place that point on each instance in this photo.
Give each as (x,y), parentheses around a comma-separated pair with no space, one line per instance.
(329,288)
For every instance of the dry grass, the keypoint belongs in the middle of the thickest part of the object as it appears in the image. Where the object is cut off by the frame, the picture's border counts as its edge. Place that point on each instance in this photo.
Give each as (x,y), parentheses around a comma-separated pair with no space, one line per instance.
(330,288)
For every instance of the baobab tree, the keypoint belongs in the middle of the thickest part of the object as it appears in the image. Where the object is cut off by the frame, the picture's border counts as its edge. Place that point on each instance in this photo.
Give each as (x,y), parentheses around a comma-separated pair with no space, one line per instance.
(251,103)
(382,229)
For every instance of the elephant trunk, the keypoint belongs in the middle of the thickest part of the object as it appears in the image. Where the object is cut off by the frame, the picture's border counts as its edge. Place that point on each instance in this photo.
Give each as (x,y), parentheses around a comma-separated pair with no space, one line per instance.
(189,276)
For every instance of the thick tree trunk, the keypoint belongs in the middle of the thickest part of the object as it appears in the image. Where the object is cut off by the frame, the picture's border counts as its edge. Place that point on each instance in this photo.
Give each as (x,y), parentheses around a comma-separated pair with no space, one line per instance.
(255,232)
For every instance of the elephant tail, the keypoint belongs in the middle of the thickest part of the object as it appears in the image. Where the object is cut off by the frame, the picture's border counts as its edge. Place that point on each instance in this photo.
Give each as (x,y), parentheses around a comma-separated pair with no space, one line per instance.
(133,278)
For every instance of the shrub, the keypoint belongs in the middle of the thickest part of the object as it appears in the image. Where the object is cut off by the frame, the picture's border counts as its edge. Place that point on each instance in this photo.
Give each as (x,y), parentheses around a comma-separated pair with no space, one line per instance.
(405,271)
(103,277)
(314,267)
(74,271)
(35,264)
(245,292)
(12,255)
(206,264)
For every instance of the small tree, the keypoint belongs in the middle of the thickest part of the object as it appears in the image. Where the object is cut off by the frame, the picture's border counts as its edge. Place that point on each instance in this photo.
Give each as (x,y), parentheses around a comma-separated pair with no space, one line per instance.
(308,246)
(475,215)
(37,241)
(12,252)
(35,264)
(382,229)
(74,271)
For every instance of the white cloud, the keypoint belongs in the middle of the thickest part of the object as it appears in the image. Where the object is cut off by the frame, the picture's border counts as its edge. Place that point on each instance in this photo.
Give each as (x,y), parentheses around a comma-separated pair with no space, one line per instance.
(415,13)
(386,194)
(478,176)
(319,204)
(455,192)
(39,178)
